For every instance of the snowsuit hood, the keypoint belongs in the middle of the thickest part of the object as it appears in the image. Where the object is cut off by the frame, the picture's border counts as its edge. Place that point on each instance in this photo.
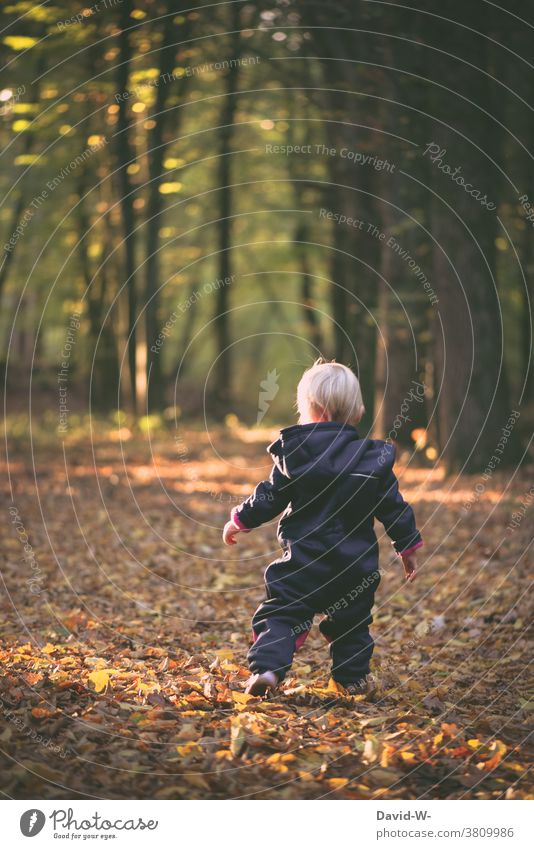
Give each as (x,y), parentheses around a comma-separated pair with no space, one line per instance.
(326,450)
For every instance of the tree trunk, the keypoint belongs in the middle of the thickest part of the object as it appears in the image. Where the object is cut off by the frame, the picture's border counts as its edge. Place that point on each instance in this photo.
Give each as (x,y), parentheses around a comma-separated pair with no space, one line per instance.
(392,352)
(125,153)
(473,405)
(157,145)
(310,314)
(104,376)
(223,369)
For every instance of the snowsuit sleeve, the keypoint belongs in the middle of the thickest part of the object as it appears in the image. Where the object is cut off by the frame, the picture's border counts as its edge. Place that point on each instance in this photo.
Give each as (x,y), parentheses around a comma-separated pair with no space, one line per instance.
(270,497)
(397,516)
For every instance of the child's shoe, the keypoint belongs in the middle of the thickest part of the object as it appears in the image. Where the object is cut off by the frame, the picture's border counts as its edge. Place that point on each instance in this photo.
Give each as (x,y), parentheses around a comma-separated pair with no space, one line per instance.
(260,682)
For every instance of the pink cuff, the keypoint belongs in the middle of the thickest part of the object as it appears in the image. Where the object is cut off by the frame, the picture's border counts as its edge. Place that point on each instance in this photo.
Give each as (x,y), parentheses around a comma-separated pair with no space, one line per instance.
(299,642)
(301,639)
(411,549)
(237,521)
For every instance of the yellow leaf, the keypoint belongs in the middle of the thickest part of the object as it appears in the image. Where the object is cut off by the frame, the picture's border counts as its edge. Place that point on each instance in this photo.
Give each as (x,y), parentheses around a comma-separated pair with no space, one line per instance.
(228,666)
(474,744)
(280,757)
(225,654)
(188,748)
(100,679)
(409,757)
(148,688)
(337,783)
(241,699)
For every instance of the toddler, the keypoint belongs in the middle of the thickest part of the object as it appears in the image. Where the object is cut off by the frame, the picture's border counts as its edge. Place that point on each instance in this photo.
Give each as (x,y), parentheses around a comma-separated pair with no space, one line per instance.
(330,484)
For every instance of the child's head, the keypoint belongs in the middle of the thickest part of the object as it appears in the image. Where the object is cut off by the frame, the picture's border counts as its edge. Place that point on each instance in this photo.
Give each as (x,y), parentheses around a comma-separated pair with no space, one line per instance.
(329,392)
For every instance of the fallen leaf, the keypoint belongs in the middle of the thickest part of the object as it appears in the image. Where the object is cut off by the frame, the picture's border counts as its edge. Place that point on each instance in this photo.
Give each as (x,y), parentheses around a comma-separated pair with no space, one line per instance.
(100,679)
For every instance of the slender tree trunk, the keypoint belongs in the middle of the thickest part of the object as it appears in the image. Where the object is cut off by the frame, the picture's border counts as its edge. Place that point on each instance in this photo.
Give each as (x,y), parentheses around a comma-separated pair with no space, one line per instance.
(157,147)
(310,314)
(125,156)
(103,349)
(223,370)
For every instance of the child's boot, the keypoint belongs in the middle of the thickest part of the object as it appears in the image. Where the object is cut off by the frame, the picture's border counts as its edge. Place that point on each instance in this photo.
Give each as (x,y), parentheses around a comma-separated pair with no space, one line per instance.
(260,682)
(358,688)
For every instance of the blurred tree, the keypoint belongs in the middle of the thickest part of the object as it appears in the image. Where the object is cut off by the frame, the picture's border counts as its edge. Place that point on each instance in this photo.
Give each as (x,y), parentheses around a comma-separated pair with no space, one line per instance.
(159,137)
(473,401)
(222,395)
(126,157)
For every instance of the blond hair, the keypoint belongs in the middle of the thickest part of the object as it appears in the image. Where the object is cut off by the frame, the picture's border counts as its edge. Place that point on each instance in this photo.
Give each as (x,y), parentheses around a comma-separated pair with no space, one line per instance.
(332,388)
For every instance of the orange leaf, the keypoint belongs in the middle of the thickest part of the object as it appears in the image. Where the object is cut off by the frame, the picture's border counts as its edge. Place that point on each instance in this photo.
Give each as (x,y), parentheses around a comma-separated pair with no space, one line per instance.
(42,713)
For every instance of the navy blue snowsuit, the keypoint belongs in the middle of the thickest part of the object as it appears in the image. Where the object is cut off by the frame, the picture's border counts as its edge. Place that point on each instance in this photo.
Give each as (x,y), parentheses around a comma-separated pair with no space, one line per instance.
(331,485)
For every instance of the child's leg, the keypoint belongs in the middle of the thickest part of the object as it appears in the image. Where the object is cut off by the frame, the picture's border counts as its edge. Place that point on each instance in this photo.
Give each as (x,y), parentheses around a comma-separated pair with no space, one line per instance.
(351,644)
(279,627)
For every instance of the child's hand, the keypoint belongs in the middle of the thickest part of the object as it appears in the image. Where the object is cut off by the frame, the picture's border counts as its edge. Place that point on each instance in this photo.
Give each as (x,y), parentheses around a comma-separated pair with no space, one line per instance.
(229,533)
(409,561)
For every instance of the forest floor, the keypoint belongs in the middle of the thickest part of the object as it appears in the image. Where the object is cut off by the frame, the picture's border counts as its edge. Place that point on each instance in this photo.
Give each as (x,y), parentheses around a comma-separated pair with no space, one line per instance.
(125,625)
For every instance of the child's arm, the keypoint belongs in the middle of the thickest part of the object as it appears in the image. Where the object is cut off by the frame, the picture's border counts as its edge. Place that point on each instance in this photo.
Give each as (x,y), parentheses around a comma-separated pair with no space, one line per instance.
(270,497)
(399,521)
